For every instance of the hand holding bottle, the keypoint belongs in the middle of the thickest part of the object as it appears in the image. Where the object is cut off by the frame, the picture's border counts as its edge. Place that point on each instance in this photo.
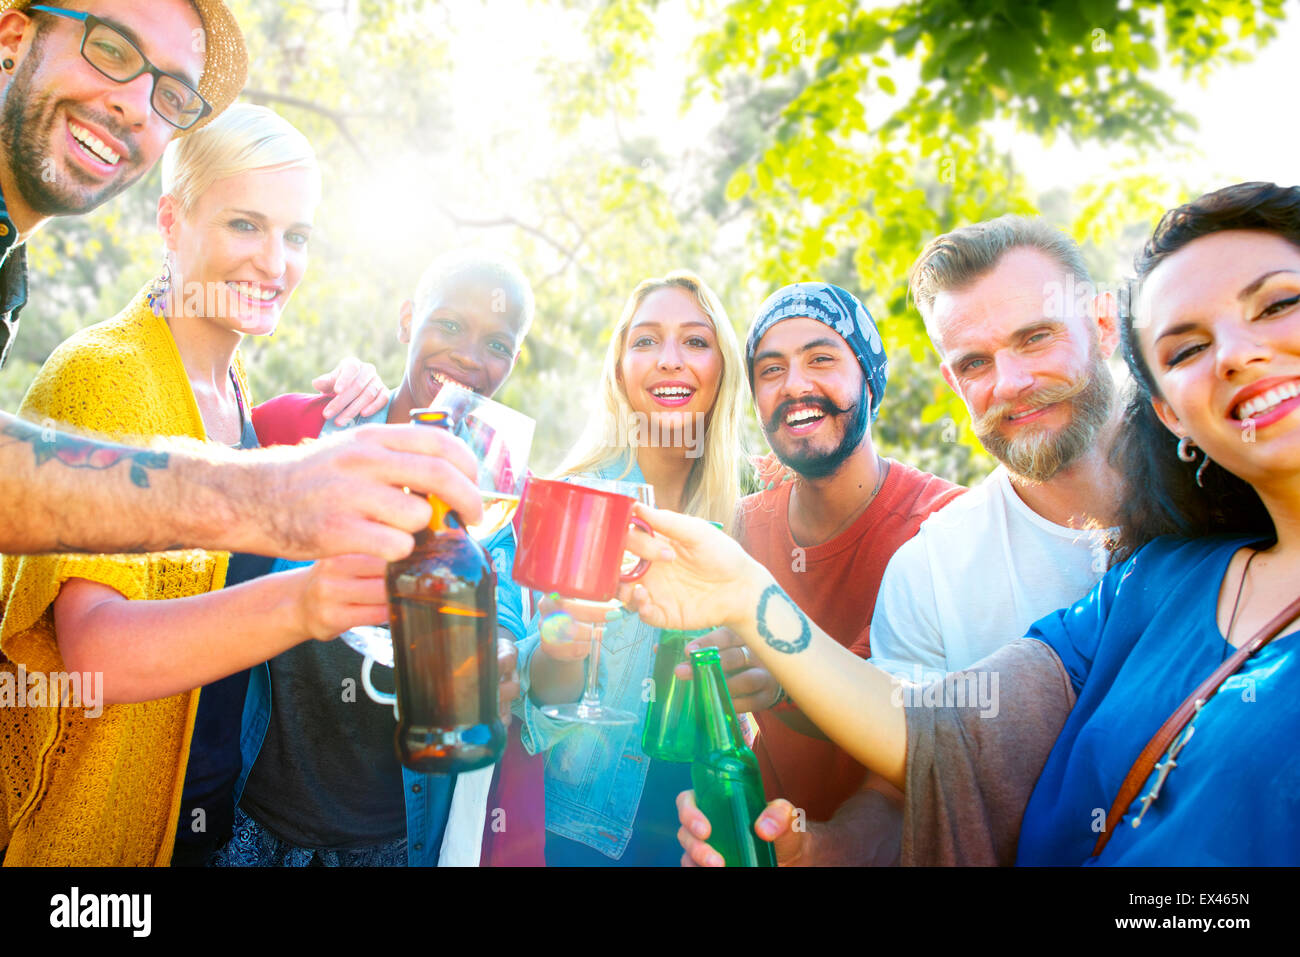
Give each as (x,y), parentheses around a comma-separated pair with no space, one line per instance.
(753,687)
(775,824)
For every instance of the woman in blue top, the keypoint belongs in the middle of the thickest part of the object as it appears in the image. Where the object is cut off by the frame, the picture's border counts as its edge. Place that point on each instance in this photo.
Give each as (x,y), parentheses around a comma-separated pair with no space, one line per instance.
(1018,759)
(672,387)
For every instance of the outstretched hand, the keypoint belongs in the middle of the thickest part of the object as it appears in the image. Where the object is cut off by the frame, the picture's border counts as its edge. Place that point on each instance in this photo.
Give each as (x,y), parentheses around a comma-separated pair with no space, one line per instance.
(344,494)
(771,470)
(699,577)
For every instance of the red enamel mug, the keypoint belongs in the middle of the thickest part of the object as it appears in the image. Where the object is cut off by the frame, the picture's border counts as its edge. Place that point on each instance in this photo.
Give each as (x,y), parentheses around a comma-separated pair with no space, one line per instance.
(571,540)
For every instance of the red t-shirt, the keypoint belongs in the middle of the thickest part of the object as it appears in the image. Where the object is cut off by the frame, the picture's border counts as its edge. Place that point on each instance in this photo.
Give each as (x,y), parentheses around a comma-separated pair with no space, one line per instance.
(288,419)
(835,583)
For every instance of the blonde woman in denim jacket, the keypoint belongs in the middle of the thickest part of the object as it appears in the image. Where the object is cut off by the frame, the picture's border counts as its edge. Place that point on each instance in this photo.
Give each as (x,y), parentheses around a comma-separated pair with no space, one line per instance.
(673,391)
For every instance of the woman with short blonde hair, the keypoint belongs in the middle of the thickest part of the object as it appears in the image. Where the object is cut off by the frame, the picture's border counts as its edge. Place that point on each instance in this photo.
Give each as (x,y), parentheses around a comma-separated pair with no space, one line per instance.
(145,774)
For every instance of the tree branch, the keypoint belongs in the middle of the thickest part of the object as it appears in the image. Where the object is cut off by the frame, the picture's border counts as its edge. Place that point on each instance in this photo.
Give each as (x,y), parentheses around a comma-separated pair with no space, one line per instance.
(338,118)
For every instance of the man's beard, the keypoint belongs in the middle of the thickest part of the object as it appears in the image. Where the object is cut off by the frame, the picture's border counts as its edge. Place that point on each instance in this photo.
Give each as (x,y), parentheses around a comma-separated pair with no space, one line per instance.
(814,464)
(27,132)
(1037,455)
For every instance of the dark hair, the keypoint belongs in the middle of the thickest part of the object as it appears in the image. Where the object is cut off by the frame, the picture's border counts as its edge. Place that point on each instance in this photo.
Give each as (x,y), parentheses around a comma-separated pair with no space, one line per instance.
(479,264)
(1161,496)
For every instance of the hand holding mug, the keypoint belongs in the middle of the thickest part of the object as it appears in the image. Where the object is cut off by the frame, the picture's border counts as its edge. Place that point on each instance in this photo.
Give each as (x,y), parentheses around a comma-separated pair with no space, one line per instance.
(571,540)
(568,627)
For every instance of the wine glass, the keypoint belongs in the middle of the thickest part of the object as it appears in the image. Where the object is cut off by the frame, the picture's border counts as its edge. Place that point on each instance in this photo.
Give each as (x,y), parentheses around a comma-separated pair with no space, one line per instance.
(500,439)
(588,709)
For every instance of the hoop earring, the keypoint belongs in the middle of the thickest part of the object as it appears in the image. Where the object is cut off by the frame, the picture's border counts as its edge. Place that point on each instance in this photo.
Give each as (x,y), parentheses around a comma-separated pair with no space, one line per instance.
(1201,470)
(160,289)
(1187,452)
(8,65)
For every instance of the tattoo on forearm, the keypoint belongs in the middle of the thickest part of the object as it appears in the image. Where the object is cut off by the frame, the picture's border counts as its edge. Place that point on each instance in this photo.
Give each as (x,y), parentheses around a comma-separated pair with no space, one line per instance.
(782,625)
(78,453)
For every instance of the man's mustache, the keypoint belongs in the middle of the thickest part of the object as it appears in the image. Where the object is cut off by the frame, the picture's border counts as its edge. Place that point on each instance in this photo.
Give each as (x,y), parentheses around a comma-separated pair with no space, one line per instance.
(826,406)
(1049,395)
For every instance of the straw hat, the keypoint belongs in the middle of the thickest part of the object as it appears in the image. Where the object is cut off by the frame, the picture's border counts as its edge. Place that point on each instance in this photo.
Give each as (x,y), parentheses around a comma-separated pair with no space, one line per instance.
(225,68)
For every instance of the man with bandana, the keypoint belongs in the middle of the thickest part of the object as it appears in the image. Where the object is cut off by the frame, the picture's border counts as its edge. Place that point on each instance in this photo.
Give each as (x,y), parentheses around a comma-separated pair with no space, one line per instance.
(817,368)
(89,98)
(1011,310)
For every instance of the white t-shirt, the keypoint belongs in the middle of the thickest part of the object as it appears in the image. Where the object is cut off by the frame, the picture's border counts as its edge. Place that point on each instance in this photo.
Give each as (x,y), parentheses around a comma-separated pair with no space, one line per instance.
(977,574)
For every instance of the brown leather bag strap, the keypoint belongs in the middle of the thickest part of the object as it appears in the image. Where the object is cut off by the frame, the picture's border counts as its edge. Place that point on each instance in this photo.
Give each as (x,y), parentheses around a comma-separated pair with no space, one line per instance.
(1175,723)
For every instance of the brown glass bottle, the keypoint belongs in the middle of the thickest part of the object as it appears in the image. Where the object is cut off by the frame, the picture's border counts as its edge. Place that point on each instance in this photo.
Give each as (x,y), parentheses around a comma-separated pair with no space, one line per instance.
(442,612)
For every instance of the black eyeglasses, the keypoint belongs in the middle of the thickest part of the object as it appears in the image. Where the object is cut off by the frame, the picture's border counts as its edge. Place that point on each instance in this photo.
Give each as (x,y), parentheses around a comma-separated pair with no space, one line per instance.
(117,58)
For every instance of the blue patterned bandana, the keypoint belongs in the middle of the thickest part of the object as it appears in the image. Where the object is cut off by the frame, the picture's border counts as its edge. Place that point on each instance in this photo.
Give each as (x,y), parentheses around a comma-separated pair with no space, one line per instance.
(840,310)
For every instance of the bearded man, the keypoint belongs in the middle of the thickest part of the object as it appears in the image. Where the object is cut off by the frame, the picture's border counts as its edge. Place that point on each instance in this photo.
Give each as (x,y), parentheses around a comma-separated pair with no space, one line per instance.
(1009,307)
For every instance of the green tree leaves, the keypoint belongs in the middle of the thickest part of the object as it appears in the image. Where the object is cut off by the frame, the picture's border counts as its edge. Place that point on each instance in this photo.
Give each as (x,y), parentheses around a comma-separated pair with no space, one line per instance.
(840,137)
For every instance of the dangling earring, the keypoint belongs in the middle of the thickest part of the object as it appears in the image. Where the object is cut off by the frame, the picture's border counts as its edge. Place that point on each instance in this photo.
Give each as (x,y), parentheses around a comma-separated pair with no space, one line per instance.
(1187,452)
(160,289)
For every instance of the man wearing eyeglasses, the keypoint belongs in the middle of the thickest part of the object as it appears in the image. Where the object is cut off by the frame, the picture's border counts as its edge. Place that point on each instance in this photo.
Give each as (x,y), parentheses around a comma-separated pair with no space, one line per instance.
(90,95)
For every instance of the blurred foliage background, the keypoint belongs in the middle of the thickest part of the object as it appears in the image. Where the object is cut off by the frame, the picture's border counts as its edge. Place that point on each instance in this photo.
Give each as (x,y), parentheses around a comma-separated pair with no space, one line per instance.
(828,139)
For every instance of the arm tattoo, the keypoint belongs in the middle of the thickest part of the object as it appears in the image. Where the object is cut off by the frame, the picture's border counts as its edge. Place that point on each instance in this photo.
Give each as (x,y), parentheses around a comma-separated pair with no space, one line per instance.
(778,626)
(78,453)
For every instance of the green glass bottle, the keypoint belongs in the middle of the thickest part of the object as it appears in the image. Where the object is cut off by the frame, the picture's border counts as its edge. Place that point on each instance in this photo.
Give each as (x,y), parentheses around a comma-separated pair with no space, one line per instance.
(669,733)
(728,785)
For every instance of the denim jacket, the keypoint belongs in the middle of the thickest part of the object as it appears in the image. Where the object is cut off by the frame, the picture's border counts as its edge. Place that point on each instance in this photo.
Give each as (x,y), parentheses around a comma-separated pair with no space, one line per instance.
(428,796)
(595,776)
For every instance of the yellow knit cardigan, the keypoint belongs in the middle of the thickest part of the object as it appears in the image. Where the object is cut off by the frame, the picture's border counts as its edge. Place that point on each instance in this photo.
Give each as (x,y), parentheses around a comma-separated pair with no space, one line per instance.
(100,790)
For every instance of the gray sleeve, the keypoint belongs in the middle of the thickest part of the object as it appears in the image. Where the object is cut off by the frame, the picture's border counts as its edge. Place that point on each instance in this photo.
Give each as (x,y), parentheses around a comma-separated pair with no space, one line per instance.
(976,743)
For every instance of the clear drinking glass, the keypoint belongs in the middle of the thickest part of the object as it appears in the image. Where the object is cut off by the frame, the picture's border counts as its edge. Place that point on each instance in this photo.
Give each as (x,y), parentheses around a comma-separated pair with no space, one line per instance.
(500,439)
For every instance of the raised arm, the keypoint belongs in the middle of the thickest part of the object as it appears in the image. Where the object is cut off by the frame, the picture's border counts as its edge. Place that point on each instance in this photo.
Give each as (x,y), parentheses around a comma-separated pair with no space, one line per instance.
(64,493)
(154,649)
(698,573)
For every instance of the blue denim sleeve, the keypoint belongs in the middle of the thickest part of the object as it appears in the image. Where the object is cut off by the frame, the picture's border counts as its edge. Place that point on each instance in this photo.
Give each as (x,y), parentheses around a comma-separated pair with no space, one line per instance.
(510,604)
(537,731)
